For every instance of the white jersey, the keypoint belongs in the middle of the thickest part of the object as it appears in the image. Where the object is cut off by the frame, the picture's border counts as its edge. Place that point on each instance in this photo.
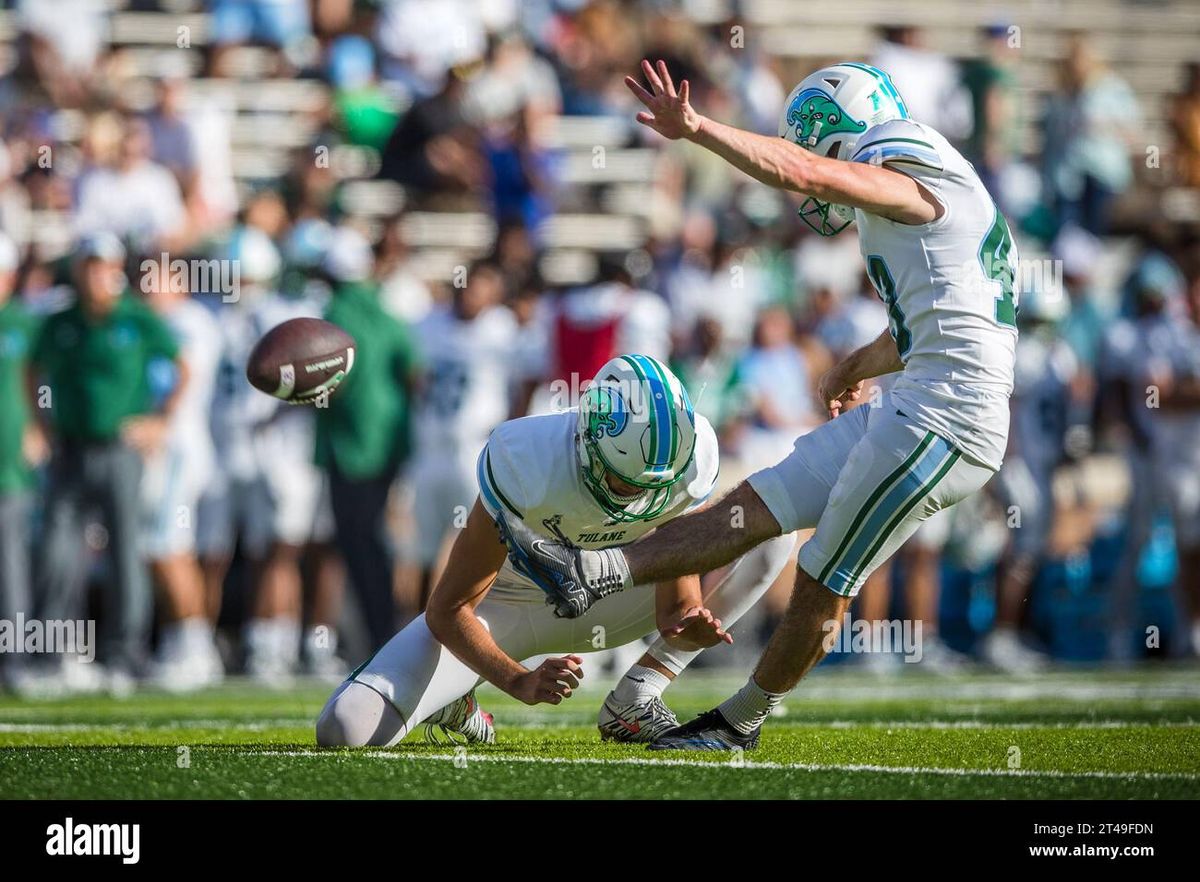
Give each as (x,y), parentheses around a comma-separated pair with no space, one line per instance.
(529,474)
(250,428)
(468,365)
(200,344)
(950,290)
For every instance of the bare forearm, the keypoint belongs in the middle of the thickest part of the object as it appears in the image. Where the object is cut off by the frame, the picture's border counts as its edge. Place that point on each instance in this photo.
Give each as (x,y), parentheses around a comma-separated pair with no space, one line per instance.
(673,597)
(463,634)
(773,161)
(877,358)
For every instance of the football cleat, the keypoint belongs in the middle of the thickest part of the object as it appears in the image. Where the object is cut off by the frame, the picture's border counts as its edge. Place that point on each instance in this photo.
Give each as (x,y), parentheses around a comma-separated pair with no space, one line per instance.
(461,722)
(709,731)
(635,723)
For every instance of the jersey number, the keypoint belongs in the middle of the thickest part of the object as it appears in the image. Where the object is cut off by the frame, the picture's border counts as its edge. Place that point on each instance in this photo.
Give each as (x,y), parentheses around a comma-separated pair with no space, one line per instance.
(881,278)
(447,389)
(996,258)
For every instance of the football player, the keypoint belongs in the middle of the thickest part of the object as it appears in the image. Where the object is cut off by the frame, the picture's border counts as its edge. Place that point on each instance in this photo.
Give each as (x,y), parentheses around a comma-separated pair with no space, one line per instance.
(630,458)
(468,353)
(1042,407)
(176,473)
(940,255)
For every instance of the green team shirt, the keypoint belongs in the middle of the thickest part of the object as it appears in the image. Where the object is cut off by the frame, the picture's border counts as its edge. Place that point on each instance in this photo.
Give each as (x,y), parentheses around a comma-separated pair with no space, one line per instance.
(364,429)
(97,368)
(17,331)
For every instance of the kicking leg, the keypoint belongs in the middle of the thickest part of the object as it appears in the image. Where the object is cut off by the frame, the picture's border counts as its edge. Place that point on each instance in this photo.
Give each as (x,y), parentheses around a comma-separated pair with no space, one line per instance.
(634,710)
(894,478)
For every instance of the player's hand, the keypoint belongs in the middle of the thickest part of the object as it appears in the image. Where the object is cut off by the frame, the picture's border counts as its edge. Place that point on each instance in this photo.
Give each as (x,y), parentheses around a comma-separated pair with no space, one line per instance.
(145,434)
(668,112)
(696,629)
(550,682)
(835,393)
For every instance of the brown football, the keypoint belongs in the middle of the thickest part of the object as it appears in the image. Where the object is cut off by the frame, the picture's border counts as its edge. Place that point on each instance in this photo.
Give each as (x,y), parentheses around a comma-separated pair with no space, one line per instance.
(301,361)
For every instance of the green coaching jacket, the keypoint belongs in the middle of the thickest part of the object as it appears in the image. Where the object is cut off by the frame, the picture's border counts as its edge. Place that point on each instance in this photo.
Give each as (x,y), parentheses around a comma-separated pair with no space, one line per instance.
(98,370)
(364,429)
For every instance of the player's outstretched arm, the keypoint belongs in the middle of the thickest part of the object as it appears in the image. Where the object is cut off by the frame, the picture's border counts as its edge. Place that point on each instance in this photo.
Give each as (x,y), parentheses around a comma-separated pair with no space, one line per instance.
(778,162)
(474,561)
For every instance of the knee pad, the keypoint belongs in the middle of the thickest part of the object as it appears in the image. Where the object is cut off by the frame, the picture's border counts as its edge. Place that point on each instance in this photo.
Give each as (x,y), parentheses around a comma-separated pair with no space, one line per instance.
(358,716)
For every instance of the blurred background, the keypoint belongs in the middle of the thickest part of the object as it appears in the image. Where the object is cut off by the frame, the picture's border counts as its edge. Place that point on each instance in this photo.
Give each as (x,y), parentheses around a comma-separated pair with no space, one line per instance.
(460,184)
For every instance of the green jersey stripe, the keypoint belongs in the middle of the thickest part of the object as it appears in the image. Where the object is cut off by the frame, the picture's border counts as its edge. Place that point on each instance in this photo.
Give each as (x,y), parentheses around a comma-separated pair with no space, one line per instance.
(902,513)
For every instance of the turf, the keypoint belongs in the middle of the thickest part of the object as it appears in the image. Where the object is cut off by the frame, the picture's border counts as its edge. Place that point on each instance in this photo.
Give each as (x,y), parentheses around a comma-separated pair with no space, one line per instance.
(844,734)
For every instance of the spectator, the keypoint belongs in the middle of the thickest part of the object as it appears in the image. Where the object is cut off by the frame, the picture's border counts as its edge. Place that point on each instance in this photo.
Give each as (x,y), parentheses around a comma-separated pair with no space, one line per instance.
(281,24)
(991,78)
(1087,319)
(597,322)
(175,475)
(1046,369)
(468,362)
(708,370)
(928,80)
(365,113)
(136,199)
(403,293)
(521,172)
(102,424)
(1149,367)
(779,390)
(424,40)
(363,435)
(434,149)
(1185,123)
(1091,122)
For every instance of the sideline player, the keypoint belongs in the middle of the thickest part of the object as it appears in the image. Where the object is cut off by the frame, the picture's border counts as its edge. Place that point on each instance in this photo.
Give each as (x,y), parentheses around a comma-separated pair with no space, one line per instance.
(940,255)
(631,457)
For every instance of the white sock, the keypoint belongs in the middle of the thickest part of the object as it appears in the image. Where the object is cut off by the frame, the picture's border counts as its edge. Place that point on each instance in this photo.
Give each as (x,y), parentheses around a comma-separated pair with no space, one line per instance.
(640,683)
(197,636)
(287,640)
(749,707)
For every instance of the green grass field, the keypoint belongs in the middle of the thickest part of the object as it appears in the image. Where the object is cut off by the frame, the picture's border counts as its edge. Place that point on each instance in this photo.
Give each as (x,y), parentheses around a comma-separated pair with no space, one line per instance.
(844,733)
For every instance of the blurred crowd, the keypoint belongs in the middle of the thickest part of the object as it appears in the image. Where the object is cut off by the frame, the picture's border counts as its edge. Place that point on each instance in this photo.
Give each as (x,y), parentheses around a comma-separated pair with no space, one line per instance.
(209,527)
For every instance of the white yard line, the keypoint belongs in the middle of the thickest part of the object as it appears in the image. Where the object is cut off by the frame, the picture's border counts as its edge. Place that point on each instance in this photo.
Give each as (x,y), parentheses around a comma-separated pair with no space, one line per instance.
(542,722)
(690,763)
(242,725)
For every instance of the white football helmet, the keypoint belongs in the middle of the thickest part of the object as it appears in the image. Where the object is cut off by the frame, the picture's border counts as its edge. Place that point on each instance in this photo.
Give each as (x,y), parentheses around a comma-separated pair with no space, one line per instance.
(635,421)
(827,114)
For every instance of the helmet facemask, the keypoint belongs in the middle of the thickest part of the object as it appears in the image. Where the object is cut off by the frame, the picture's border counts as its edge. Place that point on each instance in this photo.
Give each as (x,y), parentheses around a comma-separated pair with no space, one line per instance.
(646,505)
(604,414)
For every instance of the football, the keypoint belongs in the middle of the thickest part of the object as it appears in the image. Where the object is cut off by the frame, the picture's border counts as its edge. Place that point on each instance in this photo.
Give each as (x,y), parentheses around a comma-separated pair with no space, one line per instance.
(301,361)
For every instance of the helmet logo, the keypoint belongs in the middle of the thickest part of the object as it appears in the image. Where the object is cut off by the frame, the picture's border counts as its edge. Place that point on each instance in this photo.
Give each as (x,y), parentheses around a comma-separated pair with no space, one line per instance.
(606,413)
(814,114)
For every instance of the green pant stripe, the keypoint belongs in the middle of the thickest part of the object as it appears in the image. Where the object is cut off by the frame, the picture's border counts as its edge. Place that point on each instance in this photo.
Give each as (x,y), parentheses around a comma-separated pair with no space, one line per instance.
(900,515)
(875,496)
